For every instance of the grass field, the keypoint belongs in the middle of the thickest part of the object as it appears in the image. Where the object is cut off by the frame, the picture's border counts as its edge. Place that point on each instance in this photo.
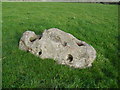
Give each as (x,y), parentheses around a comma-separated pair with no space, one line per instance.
(96,24)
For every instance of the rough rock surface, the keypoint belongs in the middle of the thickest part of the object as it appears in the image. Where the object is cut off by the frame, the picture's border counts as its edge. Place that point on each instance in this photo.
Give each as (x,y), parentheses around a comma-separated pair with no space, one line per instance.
(60,46)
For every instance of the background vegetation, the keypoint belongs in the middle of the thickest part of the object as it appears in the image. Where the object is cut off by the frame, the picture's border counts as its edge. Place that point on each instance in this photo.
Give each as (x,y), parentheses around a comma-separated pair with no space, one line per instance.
(96,24)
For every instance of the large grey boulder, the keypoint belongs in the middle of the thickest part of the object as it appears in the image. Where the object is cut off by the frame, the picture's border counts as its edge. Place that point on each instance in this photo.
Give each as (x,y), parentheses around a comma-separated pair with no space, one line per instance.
(60,46)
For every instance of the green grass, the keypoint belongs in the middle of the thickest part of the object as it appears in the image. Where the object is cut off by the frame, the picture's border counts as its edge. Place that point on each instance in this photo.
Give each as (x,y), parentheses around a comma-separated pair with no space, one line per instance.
(0,45)
(96,24)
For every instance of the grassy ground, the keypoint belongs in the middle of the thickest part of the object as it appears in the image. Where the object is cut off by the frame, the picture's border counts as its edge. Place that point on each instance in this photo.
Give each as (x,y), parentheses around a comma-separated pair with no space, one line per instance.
(95,24)
(0,45)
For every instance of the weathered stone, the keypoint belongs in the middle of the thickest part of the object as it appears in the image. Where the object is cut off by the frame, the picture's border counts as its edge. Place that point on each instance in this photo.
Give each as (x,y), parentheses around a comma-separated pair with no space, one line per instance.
(60,46)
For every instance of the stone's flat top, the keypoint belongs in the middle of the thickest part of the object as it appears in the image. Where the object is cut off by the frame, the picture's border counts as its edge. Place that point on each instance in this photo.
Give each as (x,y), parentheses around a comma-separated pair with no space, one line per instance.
(56,44)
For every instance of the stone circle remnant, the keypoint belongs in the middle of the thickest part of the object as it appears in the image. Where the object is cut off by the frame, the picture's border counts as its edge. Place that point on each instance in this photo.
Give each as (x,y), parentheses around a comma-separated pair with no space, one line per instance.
(56,44)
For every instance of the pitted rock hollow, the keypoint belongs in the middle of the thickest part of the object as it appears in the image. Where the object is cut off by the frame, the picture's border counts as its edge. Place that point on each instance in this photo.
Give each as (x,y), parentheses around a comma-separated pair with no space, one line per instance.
(56,44)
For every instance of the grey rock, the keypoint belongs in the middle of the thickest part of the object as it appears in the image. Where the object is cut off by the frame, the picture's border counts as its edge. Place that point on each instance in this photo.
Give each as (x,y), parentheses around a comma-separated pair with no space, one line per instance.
(56,44)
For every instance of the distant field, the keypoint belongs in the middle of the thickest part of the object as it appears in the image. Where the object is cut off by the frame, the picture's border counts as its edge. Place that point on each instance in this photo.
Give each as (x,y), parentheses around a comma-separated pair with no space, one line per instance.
(96,24)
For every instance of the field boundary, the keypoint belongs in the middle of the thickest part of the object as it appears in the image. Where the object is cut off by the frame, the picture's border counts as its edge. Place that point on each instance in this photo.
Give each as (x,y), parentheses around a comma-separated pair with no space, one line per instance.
(106,1)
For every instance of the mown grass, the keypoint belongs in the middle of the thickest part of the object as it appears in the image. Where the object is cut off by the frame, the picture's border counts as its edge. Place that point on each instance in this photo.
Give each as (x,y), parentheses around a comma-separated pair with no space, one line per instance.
(0,45)
(96,24)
